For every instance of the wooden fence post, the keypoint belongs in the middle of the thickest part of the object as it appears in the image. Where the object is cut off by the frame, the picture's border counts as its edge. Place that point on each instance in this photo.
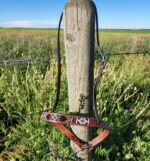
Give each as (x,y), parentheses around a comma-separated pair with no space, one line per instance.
(79,24)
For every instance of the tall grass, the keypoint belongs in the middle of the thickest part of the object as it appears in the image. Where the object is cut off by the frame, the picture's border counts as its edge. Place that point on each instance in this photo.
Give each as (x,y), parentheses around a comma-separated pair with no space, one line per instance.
(26,89)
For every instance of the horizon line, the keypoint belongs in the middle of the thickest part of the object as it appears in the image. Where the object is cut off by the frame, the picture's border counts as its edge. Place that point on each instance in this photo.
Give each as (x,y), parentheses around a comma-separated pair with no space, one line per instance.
(62,28)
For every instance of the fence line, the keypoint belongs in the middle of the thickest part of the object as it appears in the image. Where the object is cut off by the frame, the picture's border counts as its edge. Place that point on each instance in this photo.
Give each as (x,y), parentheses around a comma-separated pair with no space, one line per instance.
(126,54)
(47,59)
(24,60)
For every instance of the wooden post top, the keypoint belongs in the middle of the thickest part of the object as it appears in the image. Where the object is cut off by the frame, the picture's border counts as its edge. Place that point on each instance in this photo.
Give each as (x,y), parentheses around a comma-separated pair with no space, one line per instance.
(71,3)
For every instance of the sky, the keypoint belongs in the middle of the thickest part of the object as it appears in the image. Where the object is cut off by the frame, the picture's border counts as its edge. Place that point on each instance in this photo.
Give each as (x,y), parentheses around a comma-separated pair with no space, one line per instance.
(126,14)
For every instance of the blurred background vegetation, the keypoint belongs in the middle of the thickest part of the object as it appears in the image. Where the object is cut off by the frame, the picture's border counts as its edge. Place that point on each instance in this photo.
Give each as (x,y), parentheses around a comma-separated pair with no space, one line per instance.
(28,88)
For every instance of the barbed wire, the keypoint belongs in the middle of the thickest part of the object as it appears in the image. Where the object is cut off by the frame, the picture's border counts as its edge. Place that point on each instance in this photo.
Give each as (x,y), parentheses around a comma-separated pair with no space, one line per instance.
(129,53)
(33,60)
(47,59)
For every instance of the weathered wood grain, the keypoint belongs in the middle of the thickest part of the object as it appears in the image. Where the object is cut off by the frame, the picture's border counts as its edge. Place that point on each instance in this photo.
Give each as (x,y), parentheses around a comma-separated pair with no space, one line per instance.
(79,22)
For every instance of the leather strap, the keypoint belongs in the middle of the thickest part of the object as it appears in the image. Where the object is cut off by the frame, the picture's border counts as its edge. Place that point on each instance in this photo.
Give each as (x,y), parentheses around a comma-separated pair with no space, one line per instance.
(59,119)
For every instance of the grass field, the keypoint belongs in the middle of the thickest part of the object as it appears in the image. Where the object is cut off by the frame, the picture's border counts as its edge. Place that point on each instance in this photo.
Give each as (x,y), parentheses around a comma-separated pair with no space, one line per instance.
(28,88)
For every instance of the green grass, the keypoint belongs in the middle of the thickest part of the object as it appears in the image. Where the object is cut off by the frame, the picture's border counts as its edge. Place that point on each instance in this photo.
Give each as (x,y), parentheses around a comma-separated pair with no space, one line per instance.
(131,31)
(146,31)
(26,89)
